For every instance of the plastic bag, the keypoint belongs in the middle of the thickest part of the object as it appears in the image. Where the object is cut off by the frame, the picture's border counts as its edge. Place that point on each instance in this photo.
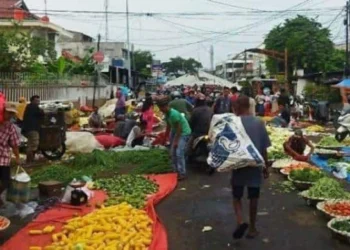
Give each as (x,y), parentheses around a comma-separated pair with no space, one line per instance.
(231,146)
(341,170)
(110,141)
(81,142)
(68,193)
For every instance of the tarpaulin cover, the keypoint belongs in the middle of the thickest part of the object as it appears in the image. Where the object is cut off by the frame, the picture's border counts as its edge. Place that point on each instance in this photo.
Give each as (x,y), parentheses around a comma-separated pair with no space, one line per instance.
(58,215)
(323,163)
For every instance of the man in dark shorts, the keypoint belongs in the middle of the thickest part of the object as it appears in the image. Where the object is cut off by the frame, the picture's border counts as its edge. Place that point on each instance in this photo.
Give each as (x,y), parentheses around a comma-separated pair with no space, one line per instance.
(31,126)
(9,139)
(250,177)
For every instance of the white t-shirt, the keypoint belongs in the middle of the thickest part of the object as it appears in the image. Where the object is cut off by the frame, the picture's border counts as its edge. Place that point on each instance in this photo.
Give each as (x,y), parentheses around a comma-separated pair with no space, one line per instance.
(135,132)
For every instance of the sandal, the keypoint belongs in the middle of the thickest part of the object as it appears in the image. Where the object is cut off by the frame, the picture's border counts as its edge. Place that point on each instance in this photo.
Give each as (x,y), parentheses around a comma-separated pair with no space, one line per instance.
(240,231)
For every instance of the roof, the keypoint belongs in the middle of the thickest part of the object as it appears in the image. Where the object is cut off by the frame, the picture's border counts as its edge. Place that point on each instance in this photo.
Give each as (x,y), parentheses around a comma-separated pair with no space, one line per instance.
(10,8)
(201,78)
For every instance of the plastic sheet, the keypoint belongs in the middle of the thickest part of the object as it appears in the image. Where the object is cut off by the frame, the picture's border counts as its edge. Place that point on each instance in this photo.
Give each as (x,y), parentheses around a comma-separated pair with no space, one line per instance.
(56,216)
(323,164)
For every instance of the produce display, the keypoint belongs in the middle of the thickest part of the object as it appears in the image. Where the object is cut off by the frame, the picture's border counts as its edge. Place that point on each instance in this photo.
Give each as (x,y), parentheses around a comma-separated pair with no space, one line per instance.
(340,208)
(306,175)
(132,189)
(277,136)
(297,166)
(342,225)
(330,141)
(327,188)
(153,161)
(315,128)
(115,227)
(4,223)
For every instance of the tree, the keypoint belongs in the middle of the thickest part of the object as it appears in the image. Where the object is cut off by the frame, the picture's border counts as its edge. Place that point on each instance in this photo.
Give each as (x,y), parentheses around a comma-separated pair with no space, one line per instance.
(308,43)
(180,64)
(142,60)
(19,50)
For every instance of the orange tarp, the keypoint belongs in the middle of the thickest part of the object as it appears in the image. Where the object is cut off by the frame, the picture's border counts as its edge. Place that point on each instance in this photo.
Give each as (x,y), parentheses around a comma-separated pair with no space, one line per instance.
(58,215)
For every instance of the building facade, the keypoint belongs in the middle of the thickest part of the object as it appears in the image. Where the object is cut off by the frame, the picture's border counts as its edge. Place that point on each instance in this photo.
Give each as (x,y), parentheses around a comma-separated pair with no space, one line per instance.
(239,67)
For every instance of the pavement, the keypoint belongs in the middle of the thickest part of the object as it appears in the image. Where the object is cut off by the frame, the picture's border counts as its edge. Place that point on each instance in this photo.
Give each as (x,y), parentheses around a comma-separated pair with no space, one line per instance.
(284,220)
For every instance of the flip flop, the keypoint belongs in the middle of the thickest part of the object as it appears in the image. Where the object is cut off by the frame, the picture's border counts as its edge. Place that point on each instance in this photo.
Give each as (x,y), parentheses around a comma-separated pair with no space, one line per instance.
(250,236)
(240,230)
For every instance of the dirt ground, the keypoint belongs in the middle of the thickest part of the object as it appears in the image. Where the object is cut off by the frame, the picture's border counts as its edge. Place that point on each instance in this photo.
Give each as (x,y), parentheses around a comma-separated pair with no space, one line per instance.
(284,220)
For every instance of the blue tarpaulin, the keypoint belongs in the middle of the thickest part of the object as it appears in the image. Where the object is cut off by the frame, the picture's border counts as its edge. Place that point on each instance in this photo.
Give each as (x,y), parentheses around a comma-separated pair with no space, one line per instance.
(343,84)
(323,163)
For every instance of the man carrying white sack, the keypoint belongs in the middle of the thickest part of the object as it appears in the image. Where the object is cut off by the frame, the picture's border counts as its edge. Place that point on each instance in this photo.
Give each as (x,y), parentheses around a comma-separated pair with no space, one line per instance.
(250,177)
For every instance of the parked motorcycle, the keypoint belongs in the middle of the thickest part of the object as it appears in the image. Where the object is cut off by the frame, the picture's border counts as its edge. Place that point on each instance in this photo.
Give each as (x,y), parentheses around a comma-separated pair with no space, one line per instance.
(200,153)
(343,126)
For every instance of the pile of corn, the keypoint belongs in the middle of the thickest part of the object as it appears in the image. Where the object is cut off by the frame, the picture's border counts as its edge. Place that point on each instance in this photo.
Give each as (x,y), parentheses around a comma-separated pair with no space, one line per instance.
(315,128)
(120,227)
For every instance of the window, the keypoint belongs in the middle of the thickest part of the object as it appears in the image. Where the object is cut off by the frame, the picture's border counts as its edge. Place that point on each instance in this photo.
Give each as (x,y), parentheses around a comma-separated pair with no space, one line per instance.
(51,37)
(238,65)
(125,54)
(229,65)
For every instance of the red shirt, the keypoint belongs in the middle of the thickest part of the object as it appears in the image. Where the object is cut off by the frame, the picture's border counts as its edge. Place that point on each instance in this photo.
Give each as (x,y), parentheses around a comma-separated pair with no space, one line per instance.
(234,97)
(8,138)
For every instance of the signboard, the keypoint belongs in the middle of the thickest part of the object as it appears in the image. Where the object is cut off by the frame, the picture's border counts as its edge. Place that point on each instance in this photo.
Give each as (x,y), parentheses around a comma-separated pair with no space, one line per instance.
(98,56)
(157,71)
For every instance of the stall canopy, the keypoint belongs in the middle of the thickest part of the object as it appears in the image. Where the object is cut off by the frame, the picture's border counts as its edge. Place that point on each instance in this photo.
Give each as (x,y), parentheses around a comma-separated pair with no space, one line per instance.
(343,84)
(201,78)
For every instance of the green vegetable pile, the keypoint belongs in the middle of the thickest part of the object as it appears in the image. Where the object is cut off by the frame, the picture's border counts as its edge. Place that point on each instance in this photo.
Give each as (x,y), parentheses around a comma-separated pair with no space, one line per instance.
(306,175)
(127,188)
(342,225)
(328,188)
(153,161)
(330,141)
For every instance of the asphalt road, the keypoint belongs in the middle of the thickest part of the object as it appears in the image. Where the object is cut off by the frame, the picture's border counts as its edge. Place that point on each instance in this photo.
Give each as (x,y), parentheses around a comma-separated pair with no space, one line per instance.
(284,220)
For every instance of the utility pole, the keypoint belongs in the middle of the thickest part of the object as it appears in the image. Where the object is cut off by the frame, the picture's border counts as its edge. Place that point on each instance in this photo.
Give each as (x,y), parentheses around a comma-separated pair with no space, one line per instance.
(106,20)
(96,72)
(212,58)
(346,23)
(128,42)
(245,64)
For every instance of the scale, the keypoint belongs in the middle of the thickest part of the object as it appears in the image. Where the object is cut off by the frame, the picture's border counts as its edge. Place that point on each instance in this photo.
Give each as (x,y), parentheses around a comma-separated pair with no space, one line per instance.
(78,197)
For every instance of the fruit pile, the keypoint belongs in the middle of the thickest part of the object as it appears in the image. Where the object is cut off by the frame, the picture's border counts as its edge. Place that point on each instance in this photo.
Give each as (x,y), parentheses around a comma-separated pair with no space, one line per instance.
(115,227)
(132,189)
(341,208)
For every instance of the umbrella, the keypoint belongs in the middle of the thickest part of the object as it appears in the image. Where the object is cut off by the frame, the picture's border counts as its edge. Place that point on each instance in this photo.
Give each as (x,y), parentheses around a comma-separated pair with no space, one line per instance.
(343,84)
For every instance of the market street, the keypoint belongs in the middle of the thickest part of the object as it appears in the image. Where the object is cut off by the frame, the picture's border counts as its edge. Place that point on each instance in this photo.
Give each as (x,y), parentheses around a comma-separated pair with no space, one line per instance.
(284,220)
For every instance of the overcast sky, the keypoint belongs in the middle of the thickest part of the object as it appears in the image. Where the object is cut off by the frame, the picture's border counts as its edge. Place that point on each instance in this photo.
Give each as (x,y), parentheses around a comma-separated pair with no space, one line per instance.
(191,36)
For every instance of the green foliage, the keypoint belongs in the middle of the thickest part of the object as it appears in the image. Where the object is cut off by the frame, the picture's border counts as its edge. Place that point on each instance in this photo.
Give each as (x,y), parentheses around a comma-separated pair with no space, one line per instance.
(321,92)
(19,50)
(134,162)
(308,43)
(178,64)
(142,59)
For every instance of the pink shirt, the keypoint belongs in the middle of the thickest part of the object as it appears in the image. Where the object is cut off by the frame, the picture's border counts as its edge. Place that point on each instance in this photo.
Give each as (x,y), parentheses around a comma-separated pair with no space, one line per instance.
(148,116)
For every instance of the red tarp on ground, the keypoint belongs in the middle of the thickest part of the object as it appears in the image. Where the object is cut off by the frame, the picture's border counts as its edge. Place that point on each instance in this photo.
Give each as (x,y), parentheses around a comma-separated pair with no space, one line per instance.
(58,215)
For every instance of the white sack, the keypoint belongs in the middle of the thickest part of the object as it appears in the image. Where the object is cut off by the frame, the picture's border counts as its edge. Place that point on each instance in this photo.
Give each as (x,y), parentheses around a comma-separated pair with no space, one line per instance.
(231,146)
(81,142)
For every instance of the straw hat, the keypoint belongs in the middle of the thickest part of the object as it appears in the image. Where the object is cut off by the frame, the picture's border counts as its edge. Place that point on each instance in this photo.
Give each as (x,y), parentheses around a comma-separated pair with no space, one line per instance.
(9,107)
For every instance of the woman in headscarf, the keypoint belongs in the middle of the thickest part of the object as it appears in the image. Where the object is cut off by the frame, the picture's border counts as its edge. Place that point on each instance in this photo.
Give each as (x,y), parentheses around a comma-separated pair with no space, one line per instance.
(148,114)
(120,108)
(21,107)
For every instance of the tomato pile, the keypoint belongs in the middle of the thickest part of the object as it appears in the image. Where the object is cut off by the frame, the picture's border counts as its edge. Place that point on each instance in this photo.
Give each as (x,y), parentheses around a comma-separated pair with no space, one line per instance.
(339,208)
(3,222)
(298,166)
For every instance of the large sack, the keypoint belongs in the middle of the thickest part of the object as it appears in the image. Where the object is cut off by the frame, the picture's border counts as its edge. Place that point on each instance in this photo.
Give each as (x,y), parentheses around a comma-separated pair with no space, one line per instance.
(81,142)
(231,146)
(107,109)
(110,141)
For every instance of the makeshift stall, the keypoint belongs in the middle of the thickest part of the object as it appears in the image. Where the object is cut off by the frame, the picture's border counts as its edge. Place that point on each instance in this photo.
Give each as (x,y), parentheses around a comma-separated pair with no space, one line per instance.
(60,214)
(323,163)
